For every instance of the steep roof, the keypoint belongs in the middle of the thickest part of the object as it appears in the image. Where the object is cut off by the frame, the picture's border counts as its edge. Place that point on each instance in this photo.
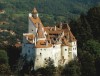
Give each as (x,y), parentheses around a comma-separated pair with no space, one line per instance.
(36,21)
(29,37)
(40,31)
(52,35)
(43,44)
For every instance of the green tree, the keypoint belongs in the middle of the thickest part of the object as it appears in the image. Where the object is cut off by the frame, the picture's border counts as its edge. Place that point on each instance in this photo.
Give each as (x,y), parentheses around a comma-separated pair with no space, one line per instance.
(4,67)
(93,47)
(93,17)
(49,70)
(72,69)
(87,63)
(3,57)
(2,6)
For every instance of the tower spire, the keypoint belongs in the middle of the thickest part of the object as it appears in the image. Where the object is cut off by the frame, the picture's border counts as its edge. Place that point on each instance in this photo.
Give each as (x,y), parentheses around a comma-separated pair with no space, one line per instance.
(35,13)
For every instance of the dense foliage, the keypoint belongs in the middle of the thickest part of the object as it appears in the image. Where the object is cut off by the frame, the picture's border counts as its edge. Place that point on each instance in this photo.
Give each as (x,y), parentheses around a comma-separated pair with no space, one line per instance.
(87,33)
(4,67)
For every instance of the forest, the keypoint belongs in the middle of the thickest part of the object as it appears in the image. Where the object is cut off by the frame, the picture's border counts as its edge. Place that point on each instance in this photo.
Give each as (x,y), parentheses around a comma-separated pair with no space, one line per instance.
(83,18)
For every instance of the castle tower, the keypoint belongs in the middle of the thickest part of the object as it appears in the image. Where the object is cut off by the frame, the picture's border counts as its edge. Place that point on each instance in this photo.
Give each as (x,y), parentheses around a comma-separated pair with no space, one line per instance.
(34,20)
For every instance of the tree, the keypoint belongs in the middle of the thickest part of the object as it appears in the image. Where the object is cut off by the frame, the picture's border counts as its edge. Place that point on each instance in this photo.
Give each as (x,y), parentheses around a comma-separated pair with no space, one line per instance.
(93,17)
(3,57)
(87,63)
(2,6)
(47,71)
(93,47)
(72,69)
(4,67)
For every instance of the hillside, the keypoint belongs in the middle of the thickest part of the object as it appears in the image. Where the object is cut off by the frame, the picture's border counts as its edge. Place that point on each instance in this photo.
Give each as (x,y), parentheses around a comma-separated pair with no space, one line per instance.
(53,9)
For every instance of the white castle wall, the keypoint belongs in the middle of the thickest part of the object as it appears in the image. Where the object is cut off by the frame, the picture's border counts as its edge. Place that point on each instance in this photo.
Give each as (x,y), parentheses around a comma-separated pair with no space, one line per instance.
(74,49)
(43,54)
(39,55)
(64,50)
(56,50)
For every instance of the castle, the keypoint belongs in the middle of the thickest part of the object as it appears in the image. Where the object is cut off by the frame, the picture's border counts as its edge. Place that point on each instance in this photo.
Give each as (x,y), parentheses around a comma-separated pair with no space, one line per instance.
(44,44)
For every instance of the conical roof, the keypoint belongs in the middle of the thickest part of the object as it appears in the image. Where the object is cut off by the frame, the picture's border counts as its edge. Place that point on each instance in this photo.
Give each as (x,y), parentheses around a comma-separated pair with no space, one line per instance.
(34,10)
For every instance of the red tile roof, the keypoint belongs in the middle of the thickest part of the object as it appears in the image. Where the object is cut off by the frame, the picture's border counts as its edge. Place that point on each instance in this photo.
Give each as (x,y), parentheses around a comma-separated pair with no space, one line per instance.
(54,34)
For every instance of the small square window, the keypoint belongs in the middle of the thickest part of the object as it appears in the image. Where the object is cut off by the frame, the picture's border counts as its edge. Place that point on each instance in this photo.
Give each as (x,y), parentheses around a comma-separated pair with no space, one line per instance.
(40,53)
(28,51)
(65,49)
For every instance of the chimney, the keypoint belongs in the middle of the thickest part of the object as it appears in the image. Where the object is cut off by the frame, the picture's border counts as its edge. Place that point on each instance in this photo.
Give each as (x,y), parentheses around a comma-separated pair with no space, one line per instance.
(68,36)
(60,25)
(68,27)
(62,34)
(55,28)
(26,37)
(35,40)
(46,43)
(36,30)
